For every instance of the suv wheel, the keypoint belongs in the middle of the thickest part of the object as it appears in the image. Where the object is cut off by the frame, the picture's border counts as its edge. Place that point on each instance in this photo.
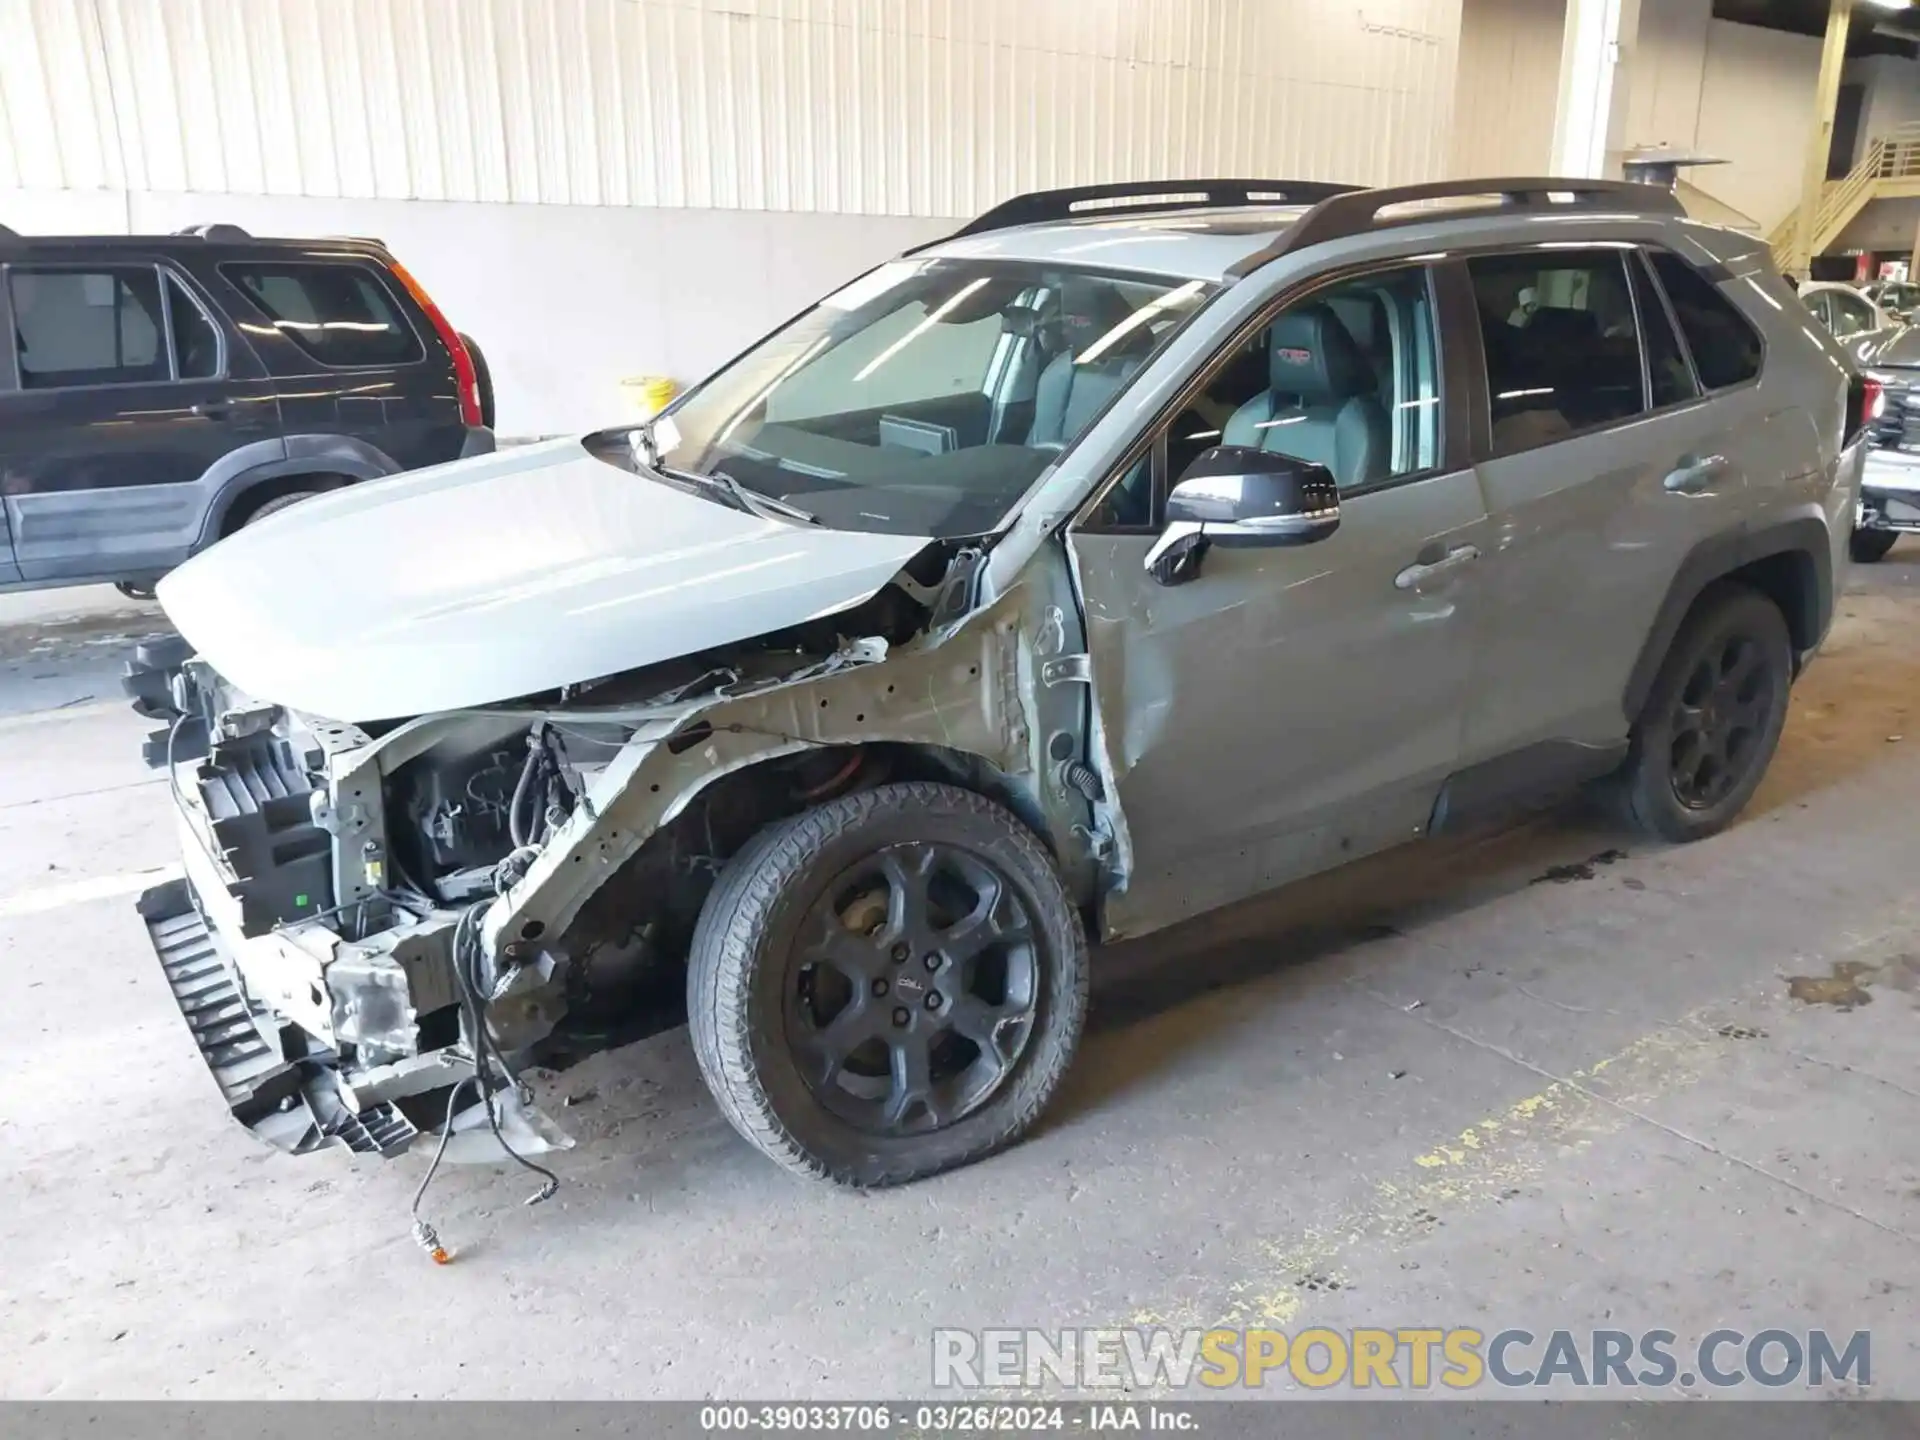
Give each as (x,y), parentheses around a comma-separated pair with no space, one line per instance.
(888,985)
(277,504)
(1713,719)
(1869,546)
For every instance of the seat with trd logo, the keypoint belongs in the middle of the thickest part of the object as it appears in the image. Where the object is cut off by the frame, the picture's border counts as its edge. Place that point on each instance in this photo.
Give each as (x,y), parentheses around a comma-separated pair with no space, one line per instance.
(1321,403)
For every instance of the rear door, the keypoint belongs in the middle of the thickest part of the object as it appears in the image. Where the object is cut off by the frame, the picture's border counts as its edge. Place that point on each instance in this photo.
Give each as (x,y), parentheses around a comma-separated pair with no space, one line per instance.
(129,395)
(367,367)
(1287,709)
(1608,461)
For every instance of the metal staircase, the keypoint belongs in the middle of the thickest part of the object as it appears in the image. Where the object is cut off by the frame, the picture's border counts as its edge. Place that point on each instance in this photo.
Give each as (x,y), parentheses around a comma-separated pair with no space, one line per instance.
(1890,169)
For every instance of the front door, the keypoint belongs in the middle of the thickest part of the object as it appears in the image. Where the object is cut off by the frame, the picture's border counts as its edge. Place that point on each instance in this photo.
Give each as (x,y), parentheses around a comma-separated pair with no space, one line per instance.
(127,397)
(1283,710)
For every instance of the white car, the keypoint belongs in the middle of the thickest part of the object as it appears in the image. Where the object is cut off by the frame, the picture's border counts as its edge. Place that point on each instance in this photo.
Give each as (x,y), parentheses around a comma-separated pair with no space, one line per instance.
(1899,298)
(1843,309)
(1890,491)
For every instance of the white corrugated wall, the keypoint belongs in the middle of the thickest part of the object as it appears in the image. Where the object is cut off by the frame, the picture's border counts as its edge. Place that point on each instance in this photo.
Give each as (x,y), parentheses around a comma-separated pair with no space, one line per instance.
(893,107)
(598,188)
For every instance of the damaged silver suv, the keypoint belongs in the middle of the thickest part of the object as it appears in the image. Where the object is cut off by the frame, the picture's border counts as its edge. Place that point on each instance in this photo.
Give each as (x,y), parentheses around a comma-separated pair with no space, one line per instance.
(1133,550)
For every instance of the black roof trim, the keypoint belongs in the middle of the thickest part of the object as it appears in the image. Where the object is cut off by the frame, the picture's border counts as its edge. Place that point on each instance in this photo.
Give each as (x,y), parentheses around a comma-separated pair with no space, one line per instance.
(1154,197)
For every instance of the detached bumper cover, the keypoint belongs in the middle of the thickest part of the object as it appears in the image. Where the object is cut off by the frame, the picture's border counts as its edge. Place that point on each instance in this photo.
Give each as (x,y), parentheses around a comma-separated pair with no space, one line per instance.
(259,1060)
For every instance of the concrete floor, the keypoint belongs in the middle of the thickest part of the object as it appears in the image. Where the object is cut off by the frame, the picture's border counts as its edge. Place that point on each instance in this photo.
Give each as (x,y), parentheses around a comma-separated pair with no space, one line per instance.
(1549,1078)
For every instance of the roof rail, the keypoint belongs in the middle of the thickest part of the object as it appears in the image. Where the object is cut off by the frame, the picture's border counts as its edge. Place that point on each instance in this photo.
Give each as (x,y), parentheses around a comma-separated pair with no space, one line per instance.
(1084,202)
(1357,212)
(216,232)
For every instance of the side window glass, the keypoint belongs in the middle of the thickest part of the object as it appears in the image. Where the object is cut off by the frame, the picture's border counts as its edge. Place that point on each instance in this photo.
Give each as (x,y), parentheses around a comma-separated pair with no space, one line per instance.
(1562,350)
(196,344)
(1349,378)
(87,327)
(340,315)
(1850,316)
(1726,348)
(1667,368)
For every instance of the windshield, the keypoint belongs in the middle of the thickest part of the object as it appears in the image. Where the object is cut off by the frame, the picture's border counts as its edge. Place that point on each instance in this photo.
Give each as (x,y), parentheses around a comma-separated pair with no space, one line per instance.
(925,397)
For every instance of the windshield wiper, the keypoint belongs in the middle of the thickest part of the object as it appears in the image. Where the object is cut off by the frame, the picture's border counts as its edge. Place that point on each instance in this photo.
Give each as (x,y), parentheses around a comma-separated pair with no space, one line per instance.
(767,507)
(649,447)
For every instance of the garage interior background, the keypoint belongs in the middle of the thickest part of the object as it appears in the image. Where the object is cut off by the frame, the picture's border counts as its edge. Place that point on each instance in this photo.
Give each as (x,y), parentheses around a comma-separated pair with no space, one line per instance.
(657,181)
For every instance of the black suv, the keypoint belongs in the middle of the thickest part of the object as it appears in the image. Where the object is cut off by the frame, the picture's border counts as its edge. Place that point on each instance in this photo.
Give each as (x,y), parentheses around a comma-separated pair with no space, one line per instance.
(159,392)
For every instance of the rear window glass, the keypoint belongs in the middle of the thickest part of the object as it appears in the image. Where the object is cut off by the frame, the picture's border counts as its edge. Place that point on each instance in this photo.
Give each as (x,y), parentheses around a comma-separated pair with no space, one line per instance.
(88,327)
(1667,370)
(341,315)
(1726,348)
(1562,350)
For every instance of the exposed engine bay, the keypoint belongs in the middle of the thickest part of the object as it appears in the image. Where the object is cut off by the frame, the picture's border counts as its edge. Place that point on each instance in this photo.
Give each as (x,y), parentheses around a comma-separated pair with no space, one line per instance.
(381,926)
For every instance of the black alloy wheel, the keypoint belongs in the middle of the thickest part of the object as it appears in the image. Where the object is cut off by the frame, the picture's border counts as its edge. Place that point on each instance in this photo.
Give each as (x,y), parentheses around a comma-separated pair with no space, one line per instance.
(914,995)
(1712,719)
(887,985)
(1718,721)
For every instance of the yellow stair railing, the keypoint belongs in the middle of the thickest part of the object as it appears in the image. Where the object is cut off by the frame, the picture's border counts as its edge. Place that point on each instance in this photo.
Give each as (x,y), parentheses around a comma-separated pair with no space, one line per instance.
(1890,163)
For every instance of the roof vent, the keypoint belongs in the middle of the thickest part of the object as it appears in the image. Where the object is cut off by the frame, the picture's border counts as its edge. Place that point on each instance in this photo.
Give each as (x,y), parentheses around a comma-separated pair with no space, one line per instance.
(1660,165)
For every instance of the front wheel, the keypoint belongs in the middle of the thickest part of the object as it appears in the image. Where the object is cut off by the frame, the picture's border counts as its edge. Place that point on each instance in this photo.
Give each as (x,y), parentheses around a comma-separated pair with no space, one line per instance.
(1713,718)
(887,986)
(1867,547)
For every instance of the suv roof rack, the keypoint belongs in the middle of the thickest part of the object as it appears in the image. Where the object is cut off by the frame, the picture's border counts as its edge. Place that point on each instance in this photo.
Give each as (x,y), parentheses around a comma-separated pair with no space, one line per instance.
(216,232)
(1357,212)
(1150,197)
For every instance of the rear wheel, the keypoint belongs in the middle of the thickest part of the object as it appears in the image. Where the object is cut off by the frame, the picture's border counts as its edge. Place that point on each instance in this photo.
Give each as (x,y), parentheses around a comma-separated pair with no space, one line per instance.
(277,504)
(887,986)
(1868,546)
(1713,718)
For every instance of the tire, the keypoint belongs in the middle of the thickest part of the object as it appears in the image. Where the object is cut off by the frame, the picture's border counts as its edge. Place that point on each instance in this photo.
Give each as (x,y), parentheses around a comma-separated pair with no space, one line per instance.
(135,589)
(275,505)
(1655,790)
(1868,547)
(752,995)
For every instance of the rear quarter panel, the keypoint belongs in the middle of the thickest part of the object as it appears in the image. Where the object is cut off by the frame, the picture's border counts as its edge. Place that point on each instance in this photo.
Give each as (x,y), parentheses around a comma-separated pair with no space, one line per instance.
(1810,470)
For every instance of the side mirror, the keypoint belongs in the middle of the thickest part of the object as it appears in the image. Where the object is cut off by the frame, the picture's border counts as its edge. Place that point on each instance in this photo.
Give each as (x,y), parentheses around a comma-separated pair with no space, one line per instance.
(1235,495)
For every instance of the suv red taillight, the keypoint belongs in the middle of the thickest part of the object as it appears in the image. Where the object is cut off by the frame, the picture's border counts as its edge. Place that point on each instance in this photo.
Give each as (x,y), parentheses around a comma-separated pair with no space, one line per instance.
(465,377)
(1866,403)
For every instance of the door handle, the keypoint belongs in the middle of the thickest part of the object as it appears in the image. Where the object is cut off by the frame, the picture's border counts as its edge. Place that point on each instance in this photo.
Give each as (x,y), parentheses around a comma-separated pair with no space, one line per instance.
(1418,574)
(1693,477)
(213,409)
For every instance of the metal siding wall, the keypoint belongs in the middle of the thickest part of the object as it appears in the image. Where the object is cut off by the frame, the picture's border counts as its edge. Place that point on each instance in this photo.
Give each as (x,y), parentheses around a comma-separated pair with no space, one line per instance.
(897,107)
(1508,85)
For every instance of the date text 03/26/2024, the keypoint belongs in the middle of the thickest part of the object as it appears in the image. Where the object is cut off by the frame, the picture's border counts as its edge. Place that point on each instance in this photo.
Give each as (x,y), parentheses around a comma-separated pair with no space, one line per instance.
(951,1419)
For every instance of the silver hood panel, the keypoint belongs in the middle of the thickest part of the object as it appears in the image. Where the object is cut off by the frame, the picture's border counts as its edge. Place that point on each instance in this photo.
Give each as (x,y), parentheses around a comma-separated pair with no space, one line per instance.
(476,582)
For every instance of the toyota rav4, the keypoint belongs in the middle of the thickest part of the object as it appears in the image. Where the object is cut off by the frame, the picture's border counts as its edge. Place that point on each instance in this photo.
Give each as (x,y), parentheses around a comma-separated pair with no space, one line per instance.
(1131,551)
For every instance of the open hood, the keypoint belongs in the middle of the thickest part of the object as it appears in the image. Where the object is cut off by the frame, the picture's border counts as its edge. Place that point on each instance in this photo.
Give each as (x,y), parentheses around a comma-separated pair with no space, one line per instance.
(486,579)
